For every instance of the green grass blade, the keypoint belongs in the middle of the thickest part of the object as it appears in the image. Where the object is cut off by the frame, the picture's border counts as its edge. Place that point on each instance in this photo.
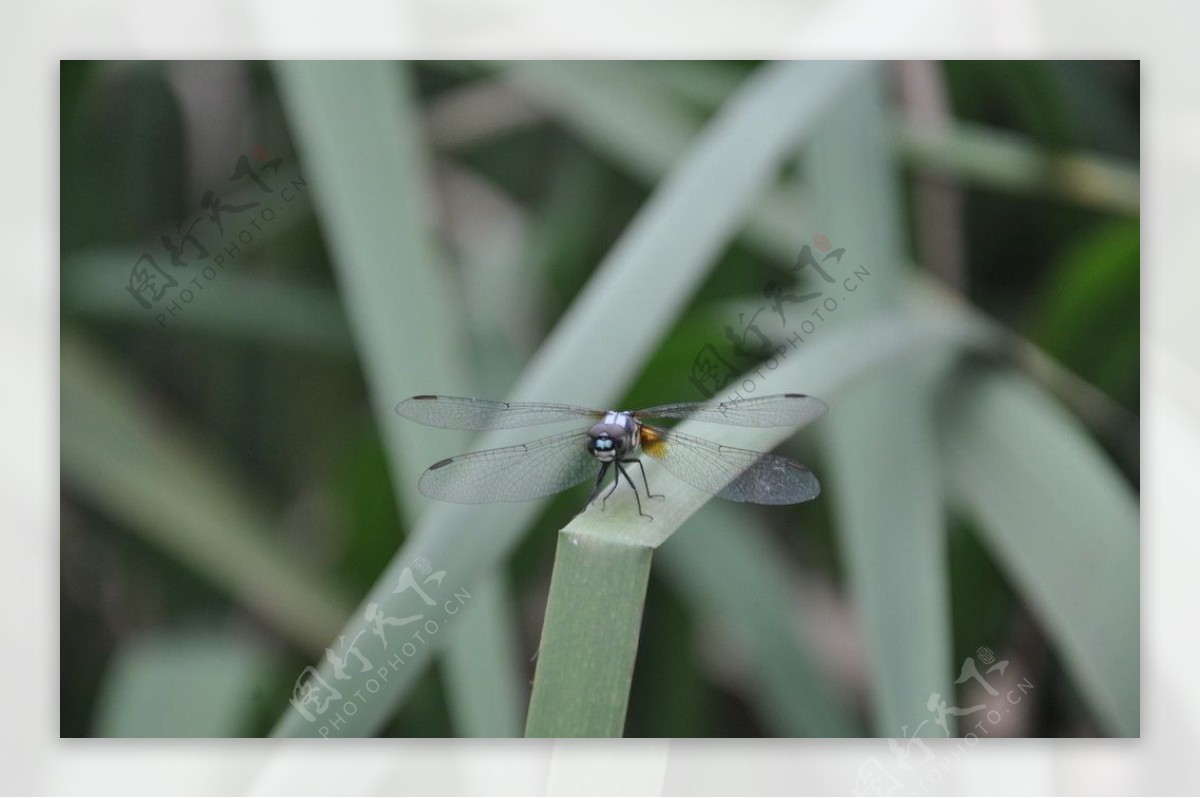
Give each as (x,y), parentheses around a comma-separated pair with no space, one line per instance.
(235,305)
(357,129)
(1009,162)
(481,666)
(616,108)
(589,639)
(185,685)
(162,484)
(691,217)
(880,443)
(706,84)
(644,125)
(685,224)
(1062,522)
(735,577)
(887,502)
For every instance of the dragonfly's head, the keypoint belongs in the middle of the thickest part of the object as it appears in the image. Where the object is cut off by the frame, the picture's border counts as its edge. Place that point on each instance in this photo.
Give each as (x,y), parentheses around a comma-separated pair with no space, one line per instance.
(612,438)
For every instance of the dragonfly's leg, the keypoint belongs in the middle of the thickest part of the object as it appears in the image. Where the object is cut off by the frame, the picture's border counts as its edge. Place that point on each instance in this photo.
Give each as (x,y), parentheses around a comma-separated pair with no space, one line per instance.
(636,495)
(612,490)
(644,482)
(596,488)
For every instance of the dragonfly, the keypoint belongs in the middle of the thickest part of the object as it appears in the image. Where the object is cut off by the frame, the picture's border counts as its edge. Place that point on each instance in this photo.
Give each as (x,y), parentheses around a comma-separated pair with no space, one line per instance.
(613,440)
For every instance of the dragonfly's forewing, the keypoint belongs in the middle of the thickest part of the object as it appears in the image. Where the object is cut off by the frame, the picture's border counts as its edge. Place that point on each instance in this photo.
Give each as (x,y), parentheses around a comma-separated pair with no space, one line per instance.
(779,410)
(457,412)
(512,473)
(739,475)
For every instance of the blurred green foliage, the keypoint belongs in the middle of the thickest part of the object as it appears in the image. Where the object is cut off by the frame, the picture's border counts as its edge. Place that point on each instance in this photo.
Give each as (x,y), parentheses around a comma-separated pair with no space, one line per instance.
(228,493)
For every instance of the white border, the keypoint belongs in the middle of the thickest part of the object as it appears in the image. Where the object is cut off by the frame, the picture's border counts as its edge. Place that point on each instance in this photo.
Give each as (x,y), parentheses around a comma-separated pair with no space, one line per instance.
(36,35)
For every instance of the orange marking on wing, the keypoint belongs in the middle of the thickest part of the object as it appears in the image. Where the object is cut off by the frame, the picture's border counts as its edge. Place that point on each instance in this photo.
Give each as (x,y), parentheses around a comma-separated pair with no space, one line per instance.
(653,442)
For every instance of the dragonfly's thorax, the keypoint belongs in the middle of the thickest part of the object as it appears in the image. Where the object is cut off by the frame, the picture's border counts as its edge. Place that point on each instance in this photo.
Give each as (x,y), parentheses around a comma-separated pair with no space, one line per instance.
(614,437)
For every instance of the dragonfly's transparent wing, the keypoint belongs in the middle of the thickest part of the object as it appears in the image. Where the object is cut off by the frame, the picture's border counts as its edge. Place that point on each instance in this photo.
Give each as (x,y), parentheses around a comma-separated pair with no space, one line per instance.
(457,412)
(512,473)
(779,410)
(739,475)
